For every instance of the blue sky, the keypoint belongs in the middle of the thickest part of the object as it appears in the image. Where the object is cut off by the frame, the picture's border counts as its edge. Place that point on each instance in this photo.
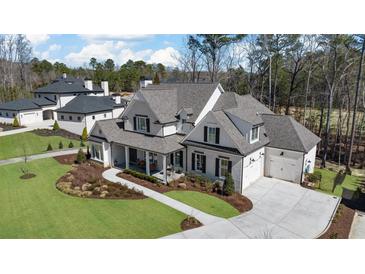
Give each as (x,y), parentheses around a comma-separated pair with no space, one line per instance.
(76,50)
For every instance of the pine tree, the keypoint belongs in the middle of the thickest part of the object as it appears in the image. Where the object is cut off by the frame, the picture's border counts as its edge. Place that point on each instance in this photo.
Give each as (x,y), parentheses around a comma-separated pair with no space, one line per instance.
(56,126)
(228,187)
(60,145)
(84,135)
(49,147)
(16,122)
(71,145)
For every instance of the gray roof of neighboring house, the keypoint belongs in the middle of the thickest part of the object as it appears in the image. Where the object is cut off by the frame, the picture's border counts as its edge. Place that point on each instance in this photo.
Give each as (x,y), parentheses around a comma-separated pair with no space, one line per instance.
(286,133)
(244,107)
(68,85)
(90,104)
(25,104)
(113,133)
(166,99)
(243,146)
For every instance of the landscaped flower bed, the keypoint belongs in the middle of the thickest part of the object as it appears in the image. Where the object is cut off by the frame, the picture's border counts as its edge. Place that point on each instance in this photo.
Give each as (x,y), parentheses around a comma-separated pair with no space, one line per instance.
(194,183)
(6,127)
(190,223)
(85,180)
(58,132)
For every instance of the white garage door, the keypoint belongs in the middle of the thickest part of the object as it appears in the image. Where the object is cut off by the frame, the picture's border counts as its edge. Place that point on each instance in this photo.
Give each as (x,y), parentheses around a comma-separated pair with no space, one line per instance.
(252,172)
(284,168)
(28,118)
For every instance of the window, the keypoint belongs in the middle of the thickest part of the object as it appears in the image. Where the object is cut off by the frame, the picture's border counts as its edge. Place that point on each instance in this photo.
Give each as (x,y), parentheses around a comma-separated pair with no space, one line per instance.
(70,118)
(183,121)
(1,114)
(39,96)
(254,134)
(104,115)
(223,168)
(97,152)
(200,162)
(93,117)
(13,114)
(62,117)
(141,124)
(78,118)
(7,114)
(55,97)
(211,134)
(178,161)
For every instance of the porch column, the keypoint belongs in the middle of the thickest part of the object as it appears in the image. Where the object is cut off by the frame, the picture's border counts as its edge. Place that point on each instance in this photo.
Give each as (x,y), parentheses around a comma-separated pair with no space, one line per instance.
(164,168)
(147,162)
(126,148)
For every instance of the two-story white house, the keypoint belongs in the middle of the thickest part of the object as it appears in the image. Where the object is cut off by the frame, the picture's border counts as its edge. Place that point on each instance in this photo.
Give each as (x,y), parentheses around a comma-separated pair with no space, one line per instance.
(200,128)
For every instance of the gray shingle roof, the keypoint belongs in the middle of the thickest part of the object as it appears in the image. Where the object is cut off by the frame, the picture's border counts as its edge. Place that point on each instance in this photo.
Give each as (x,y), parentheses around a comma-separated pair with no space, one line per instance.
(25,104)
(113,133)
(90,104)
(68,85)
(244,107)
(167,99)
(286,133)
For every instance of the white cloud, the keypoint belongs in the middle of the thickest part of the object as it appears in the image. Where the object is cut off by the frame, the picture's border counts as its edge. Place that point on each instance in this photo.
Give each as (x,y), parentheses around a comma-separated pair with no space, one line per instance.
(115,37)
(37,39)
(54,47)
(120,53)
(46,54)
(167,56)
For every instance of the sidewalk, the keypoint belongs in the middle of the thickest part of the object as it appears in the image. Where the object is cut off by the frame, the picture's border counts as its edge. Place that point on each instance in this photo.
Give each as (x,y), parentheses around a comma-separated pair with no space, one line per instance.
(38,156)
(358,226)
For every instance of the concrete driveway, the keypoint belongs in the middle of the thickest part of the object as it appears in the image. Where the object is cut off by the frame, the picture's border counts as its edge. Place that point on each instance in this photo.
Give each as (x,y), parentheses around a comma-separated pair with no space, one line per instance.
(285,210)
(281,210)
(358,226)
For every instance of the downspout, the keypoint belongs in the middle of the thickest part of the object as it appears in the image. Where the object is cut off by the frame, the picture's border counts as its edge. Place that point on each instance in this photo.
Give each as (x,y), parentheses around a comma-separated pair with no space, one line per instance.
(186,159)
(301,176)
(242,175)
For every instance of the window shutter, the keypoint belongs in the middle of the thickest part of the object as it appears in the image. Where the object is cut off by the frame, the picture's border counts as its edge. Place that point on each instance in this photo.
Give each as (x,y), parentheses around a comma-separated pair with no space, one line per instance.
(217,135)
(134,123)
(181,159)
(192,161)
(148,124)
(172,158)
(203,164)
(217,167)
(205,134)
(230,167)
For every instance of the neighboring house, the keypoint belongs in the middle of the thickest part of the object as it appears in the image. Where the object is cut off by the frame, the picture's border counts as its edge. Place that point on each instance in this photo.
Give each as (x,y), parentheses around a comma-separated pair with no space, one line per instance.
(27,111)
(65,88)
(83,111)
(199,128)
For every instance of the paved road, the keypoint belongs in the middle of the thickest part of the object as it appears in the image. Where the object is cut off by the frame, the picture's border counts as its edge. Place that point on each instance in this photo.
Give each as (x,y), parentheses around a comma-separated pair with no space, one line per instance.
(39,156)
(358,226)
(44,124)
(281,210)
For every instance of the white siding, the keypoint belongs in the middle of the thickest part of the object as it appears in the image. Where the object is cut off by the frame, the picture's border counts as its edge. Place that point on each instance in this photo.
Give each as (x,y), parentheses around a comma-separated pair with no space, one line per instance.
(7,119)
(211,155)
(309,160)
(30,117)
(117,112)
(98,117)
(64,99)
(210,104)
(169,130)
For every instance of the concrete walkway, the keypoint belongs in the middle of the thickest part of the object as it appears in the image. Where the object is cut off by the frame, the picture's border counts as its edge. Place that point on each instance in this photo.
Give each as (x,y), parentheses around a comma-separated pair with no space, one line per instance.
(44,124)
(358,226)
(39,156)
(204,218)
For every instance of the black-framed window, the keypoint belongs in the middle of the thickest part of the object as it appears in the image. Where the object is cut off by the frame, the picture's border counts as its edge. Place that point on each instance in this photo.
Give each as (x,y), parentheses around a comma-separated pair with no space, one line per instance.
(62,117)
(70,118)
(93,117)
(78,118)
(254,134)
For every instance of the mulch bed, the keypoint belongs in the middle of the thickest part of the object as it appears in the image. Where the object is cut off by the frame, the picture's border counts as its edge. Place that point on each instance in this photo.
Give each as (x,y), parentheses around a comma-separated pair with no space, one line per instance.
(66,159)
(6,127)
(27,176)
(58,132)
(190,223)
(86,180)
(341,224)
(238,201)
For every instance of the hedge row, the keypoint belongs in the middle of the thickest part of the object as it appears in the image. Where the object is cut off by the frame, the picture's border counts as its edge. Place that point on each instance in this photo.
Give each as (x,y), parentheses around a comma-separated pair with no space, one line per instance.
(142,176)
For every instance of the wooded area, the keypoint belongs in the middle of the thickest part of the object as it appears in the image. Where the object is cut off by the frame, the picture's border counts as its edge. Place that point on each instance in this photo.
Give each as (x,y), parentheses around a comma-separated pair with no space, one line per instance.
(315,78)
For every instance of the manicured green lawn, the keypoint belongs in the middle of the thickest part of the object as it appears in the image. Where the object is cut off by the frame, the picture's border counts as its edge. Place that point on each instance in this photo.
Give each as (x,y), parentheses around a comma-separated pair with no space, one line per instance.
(14,145)
(34,208)
(205,203)
(327,183)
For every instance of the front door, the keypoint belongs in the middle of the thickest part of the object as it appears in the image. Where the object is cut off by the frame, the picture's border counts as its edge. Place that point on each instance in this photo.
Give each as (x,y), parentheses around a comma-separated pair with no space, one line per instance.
(133,155)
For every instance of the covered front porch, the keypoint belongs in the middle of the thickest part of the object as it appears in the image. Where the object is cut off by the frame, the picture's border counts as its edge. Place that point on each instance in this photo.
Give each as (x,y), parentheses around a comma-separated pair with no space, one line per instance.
(164,166)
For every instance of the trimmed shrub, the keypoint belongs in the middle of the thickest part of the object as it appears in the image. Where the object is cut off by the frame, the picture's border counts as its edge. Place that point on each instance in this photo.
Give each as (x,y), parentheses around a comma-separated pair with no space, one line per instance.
(82,144)
(228,187)
(16,122)
(56,126)
(141,176)
(49,147)
(84,135)
(70,145)
(315,177)
(81,158)
(60,145)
